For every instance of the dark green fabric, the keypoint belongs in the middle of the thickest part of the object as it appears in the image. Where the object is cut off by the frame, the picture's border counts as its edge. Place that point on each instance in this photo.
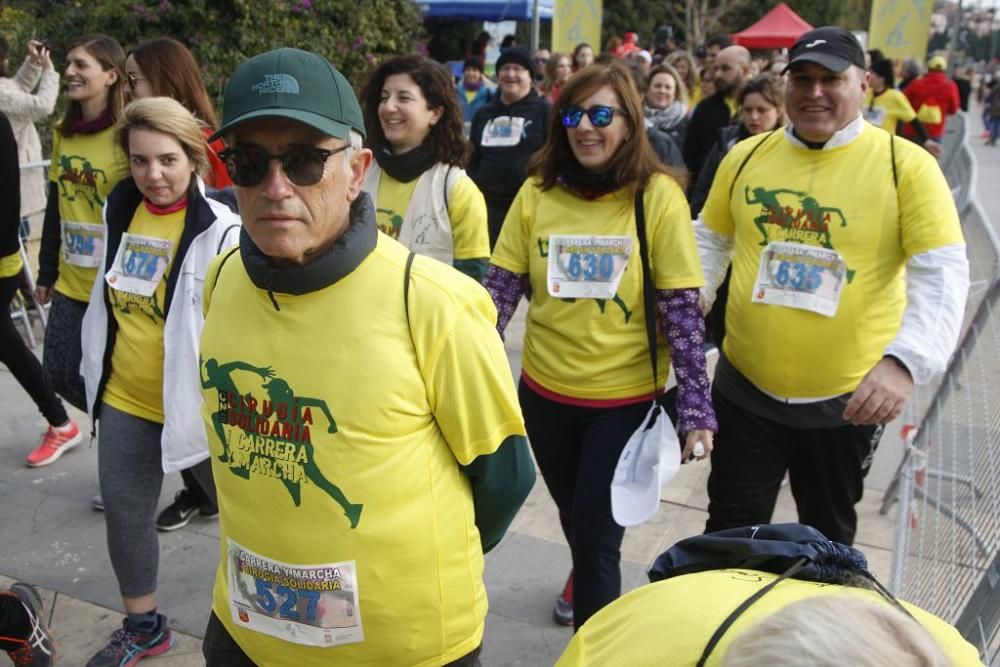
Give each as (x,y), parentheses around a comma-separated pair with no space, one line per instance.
(474,268)
(501,481)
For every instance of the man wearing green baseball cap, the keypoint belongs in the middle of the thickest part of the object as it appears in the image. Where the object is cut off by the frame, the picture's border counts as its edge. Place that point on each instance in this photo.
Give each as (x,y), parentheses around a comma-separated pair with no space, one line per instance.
(364,429)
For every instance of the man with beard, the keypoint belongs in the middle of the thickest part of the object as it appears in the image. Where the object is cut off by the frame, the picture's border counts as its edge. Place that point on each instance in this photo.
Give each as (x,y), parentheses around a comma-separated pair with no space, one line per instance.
(732,70)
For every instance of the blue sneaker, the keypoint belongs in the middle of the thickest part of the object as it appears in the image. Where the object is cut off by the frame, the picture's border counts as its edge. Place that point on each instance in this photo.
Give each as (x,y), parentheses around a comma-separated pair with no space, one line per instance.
(128,646)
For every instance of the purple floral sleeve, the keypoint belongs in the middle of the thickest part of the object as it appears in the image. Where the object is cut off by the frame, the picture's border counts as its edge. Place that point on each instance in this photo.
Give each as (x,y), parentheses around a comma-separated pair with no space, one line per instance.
(682,320)
(506,289)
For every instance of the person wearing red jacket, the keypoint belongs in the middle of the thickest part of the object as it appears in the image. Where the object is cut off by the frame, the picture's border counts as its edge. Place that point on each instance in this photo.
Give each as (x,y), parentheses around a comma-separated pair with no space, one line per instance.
(934,97)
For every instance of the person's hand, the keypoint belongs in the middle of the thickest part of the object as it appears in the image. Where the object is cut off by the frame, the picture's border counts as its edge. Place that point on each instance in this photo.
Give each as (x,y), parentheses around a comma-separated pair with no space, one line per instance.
(881,395)
(933,147)
(39,54)
(43,294)
(704,436)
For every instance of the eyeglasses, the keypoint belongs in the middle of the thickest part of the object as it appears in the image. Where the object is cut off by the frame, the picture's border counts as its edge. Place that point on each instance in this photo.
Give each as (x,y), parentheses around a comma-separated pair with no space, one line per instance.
(303,165)
(132,80)
(599,115)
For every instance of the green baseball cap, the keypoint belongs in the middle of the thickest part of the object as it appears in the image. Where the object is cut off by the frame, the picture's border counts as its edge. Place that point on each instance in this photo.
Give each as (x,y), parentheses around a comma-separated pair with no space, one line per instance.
(294,84)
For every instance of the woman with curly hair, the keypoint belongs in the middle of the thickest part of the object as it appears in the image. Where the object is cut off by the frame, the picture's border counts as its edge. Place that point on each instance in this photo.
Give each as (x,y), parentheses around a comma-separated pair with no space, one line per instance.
(418,185)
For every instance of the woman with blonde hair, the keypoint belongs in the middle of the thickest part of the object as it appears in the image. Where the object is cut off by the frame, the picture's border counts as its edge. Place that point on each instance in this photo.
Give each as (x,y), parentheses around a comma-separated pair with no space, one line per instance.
(140,337)
(86,166)
(586,379)
(684,63)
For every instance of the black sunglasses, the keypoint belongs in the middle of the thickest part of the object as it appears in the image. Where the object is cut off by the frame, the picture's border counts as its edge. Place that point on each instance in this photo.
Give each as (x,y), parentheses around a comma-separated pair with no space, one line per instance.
(599,115)
(303,165)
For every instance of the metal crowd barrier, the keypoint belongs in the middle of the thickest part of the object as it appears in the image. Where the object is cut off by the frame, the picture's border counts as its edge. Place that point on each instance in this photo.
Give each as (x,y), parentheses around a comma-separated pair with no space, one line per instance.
(946,556)
(19,307)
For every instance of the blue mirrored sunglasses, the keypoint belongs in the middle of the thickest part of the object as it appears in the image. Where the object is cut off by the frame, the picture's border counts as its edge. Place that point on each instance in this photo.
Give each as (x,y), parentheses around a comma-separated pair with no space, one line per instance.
(599,115)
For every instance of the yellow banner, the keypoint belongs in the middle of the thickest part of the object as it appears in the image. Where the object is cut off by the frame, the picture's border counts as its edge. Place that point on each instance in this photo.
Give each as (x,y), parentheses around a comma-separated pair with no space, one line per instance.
(575,21)
(900,28)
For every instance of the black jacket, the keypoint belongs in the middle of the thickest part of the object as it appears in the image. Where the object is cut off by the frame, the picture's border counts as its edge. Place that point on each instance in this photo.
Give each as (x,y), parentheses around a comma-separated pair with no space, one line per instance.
(498,171)
(711,115)
(667,140)
(728,137)
(10,190)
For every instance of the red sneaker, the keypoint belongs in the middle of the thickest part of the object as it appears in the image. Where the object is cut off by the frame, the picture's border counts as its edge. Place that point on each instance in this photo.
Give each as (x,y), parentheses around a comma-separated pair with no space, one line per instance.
(55,442)
(563,612)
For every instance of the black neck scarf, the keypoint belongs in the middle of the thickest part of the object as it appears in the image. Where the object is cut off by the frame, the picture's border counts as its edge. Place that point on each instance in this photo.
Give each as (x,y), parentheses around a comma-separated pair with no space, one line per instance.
(406,166)
(585,183)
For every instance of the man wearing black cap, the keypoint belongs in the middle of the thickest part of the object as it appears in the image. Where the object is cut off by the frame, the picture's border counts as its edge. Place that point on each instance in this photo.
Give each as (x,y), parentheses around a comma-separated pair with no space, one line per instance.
(364,430)
(849,278)
(505,133)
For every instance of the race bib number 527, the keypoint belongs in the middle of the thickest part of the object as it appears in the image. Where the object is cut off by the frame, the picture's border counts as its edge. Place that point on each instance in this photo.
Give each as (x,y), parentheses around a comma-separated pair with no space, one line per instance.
(315,605)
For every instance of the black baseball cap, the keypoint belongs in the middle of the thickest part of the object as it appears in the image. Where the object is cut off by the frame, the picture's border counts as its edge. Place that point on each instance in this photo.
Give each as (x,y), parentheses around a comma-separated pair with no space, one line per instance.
(831,46)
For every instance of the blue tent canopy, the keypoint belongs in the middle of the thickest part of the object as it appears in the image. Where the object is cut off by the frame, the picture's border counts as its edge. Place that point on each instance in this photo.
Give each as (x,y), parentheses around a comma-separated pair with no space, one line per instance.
(485,10)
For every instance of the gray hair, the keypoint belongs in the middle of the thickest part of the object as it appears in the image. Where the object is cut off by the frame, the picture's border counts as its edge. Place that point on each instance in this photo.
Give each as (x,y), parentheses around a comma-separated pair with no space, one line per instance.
(355,142)
(836,630)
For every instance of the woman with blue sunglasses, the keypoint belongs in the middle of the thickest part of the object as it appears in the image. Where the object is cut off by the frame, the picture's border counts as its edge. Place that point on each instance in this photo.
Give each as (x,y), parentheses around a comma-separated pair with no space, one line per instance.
(571,235)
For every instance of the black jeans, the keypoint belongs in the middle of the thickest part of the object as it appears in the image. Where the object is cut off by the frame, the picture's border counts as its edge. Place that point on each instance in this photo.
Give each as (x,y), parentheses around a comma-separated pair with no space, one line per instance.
(221,650)
(826,467)
(577,449)
(23,364)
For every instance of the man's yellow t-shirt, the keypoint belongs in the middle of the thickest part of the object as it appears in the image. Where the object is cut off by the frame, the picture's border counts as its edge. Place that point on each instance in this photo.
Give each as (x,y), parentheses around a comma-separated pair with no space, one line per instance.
(135,385)
(85,168)
(888,109)
(337,431)
(596,349)
(466,211)
(689,608)
(841,200)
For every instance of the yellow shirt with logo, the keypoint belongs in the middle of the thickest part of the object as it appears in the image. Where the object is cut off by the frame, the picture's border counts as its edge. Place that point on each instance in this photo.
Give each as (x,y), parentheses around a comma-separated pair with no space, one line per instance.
(135,385)
(85,168)
(589,348)
(11,265)
(843,199)
(336,436)
(888,109)
(630,631)
(466,210)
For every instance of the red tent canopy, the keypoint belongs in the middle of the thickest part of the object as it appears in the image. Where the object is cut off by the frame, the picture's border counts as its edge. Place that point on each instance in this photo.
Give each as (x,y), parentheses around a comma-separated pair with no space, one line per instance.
(779,28)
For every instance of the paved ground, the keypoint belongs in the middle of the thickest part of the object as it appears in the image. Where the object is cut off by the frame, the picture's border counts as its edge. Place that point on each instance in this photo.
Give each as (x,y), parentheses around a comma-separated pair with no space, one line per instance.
(50,536)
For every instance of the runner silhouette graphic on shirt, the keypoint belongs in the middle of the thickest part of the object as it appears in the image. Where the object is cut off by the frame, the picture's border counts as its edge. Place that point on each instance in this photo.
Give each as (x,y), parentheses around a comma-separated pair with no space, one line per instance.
(279,394)
(771,209)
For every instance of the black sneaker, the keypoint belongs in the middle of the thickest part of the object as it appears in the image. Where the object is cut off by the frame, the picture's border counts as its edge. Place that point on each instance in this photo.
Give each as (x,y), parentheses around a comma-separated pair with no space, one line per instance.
(178,513)
(128,646)
(37,649)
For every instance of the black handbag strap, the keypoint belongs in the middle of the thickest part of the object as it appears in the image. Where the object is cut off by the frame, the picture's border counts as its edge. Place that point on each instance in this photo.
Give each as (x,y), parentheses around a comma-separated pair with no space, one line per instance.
(648,293)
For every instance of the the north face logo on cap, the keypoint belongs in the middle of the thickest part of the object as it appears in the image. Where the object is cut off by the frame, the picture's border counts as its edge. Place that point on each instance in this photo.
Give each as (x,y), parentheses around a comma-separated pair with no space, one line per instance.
(277,83)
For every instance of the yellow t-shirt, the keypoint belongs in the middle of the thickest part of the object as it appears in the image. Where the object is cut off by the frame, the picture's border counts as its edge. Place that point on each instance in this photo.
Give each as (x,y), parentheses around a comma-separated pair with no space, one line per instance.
(337,455)
(689,608)
(596,349)
(11,265)
(841,199)
(694,96)
(733,106)
(135,385)
(85,168)
(466,211)
(888,109)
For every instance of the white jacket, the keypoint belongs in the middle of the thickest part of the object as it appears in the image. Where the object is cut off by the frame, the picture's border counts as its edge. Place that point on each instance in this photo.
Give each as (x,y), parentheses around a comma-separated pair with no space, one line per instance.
(23,108)
(426,226)
(184,441)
